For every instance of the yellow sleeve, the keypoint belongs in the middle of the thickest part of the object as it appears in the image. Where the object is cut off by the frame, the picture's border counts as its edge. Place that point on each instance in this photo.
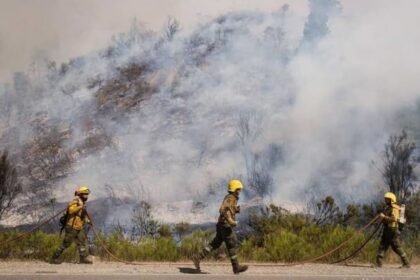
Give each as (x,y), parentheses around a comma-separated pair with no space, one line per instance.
(229,218)
(395,214)
(74,207)
(227,210)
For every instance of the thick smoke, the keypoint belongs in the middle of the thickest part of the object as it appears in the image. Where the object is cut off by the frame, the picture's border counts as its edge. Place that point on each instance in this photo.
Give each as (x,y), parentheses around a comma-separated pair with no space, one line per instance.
(291,108)
(316,27)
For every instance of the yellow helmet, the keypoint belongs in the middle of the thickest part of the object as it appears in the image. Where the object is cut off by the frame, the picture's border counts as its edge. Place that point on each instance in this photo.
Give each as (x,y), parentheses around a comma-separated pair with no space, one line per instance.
(235,185)
(391,196)
(83,190)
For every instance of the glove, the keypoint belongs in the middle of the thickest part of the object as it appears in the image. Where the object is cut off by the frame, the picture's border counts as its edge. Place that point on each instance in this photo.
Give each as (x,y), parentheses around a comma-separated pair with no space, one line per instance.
(238,209)
(235,224)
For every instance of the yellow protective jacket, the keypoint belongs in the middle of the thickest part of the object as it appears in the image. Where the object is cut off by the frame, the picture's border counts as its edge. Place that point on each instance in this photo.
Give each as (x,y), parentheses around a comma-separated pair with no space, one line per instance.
(77,217)
(228,210)
(392,214)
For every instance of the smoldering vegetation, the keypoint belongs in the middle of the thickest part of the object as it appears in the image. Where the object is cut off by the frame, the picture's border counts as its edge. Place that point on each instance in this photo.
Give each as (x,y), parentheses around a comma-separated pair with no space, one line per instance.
(297,109)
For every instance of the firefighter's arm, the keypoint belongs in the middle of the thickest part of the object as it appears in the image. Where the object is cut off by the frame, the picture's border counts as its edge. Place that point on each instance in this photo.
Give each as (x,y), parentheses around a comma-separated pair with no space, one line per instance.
(75,207)
(390,219)
(87,220)
(229,218)
(227,211)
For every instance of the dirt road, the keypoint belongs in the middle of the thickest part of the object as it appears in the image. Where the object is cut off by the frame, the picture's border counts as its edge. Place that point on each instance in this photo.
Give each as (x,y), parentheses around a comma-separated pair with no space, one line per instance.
(177,271)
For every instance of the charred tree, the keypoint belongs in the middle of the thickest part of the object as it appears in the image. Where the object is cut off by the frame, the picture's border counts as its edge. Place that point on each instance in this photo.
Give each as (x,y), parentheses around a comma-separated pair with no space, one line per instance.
(10,187)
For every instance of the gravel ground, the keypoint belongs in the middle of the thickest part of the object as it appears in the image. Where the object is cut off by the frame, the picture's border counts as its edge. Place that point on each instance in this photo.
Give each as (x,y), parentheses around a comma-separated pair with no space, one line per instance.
(360,271)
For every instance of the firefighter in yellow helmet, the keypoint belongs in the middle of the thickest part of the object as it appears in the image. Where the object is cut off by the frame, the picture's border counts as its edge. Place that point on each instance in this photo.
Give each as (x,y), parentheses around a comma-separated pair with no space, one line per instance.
(76,218)
(224,228)
(391,233)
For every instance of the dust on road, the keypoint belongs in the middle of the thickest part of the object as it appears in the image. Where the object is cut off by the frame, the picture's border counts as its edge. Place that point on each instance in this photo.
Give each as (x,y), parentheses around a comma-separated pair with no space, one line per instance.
(11,270)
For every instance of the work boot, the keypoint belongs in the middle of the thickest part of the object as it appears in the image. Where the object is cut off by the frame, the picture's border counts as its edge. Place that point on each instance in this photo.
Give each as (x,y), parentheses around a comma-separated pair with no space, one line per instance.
(55,259)
(85,260)
(196,260)
(406,266)
(405,262)
(238,268)
(379,261)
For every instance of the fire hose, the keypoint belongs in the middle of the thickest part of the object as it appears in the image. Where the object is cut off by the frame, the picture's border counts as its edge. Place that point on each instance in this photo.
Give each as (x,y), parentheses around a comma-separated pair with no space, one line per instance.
(102,243)
(335,249)
(19,236)
(354,253)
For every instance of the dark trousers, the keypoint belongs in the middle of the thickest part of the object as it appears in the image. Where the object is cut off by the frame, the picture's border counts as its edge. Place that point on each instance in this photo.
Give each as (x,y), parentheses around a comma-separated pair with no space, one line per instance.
(391,238)
(224,233)
(72,235)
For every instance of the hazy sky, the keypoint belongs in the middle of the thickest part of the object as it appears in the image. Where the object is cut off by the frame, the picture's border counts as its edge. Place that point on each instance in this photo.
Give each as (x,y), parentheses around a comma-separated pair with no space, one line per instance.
(69,28)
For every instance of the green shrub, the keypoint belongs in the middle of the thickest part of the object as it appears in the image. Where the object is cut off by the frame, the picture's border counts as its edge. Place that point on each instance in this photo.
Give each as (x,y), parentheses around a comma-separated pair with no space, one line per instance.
(162,249)
(38,245)
(194,243)
(288,247)
(287,239)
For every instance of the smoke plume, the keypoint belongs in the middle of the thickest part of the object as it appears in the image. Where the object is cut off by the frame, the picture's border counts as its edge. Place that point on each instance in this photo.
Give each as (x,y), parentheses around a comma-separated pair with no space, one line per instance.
(292,108)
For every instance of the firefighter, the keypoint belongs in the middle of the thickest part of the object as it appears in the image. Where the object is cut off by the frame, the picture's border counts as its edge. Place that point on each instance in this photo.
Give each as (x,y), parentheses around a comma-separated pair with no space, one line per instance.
(224,228)
(391,233)
(74,227)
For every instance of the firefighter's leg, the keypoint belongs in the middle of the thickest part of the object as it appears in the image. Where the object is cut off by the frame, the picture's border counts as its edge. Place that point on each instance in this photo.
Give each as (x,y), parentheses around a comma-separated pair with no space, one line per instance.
(218,239)
(69,237)
(214,244)
(231,244)
(81,243)
(383,247)
(396,247)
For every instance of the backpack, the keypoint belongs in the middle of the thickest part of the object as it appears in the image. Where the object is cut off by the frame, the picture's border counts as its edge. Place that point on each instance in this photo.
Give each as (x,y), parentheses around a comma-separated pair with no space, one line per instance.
(402,220)
(63,220)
